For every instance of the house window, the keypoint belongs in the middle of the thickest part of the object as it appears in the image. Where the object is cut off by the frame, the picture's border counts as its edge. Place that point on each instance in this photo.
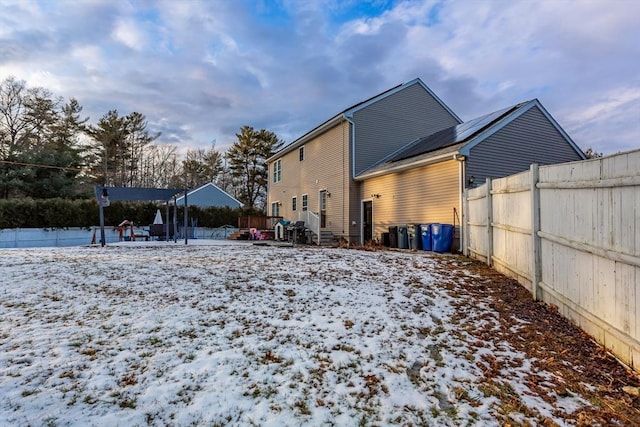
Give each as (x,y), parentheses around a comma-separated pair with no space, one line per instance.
(294,203)
(277,170)
(275,209)
(301,153)
(305,202)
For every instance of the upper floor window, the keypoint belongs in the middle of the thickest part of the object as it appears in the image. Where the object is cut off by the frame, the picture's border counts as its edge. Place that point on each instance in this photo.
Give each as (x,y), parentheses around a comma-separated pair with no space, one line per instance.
(277,170)
(275,209)
(305,202)
(294,203)
(301,153)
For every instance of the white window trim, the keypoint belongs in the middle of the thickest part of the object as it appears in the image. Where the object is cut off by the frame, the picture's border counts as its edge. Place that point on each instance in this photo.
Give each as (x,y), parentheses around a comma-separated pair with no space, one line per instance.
(305,206)
(326,196)
(277,171)
(294,206)
(278,204)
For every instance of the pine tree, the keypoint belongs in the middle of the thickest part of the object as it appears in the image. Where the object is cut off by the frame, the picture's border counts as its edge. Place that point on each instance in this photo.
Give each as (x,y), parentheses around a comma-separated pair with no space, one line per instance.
(247,162)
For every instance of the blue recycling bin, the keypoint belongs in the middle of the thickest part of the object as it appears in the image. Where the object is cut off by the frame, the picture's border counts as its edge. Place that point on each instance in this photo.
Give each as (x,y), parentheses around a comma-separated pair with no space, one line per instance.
(442,237)
(425,233)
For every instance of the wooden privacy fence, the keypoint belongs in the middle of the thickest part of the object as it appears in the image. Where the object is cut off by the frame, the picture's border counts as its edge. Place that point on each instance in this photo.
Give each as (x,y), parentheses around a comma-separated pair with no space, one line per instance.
(571,234)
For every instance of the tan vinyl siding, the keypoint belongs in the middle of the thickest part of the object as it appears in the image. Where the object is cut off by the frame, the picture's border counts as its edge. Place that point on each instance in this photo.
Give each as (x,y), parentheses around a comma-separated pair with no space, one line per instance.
(389,124)
(423,195)
(325,166)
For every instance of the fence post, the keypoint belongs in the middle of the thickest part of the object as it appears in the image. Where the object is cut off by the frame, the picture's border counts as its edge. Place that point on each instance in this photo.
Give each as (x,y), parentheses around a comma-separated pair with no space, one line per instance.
(536,259)
(489,223)
(464,223)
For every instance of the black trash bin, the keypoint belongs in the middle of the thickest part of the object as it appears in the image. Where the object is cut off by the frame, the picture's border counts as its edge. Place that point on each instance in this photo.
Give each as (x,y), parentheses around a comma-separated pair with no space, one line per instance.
(403,237)
(385,240)
(393,236)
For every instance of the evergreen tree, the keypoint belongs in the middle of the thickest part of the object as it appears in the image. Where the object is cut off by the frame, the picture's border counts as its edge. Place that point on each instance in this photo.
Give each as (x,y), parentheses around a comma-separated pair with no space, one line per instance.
(61,157)
(38,142)
(119,148)
(109,148)
(247,162)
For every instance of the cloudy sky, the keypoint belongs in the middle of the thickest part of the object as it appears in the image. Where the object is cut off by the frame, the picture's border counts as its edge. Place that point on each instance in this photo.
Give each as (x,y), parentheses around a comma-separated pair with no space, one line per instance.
(199,70)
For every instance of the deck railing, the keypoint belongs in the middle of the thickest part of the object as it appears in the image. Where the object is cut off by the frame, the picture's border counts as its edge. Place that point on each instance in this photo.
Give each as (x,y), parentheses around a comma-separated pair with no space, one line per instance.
(258,222)
(311,221)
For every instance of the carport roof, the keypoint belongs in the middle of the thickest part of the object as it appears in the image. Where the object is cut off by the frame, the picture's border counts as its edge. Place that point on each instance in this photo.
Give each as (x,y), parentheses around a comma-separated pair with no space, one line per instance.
(137,193)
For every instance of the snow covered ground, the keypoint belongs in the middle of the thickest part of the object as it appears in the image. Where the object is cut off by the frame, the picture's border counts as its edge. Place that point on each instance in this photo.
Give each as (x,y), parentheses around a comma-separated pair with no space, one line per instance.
(235,334)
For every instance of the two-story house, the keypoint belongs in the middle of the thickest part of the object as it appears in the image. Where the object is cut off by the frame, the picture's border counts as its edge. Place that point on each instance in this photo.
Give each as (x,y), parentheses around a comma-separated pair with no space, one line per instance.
(403,156)
(313,178)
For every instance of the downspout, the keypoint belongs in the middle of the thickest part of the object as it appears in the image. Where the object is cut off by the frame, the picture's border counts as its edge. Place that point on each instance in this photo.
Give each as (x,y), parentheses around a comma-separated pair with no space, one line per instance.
(352,142)
(462,172)
(343,178)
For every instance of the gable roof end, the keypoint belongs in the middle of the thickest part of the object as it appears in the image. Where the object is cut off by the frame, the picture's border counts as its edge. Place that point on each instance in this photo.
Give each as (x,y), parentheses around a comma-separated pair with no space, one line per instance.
(213,187)
(522,108)
(348,113)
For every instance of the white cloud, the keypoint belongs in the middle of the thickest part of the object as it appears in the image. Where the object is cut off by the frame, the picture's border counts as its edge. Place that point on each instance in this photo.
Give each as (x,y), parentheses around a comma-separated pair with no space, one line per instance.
(610,123)
(89,56)
(207,68)
(607,108)
(129,33)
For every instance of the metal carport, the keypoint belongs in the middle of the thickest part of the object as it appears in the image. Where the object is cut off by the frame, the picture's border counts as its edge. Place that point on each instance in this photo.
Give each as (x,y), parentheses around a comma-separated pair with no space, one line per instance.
(105,195)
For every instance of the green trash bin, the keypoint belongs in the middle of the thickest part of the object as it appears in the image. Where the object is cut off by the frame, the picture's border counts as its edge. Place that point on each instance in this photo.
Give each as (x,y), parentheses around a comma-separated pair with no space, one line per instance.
(415,239)
(403,237)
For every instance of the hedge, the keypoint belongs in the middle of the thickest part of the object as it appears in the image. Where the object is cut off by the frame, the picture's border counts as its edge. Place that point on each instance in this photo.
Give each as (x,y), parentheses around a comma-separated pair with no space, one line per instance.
(62,213)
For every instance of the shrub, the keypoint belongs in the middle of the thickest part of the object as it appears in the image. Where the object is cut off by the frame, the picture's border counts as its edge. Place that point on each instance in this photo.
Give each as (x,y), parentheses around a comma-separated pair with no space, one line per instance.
(61,213)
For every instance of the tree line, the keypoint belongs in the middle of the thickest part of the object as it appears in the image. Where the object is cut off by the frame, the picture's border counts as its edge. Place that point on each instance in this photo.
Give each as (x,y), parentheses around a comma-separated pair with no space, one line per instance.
(49,150)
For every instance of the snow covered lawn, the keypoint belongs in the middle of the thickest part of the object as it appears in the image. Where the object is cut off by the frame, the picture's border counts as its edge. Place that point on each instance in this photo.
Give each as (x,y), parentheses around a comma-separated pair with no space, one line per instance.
(244,335)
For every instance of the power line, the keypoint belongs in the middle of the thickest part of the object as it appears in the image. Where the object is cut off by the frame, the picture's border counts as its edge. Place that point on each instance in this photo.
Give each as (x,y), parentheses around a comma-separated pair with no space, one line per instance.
(9,162)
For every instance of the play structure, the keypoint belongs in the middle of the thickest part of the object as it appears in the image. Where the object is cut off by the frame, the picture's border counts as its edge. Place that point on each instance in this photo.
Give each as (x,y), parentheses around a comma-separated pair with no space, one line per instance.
(126,232)
(166,231)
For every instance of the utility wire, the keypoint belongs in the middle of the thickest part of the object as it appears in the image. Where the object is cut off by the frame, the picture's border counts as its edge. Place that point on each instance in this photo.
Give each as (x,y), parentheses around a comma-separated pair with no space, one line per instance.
(9,162)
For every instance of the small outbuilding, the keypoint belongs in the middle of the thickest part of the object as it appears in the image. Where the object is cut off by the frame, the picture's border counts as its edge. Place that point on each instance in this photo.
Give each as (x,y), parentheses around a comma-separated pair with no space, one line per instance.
(209,195)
